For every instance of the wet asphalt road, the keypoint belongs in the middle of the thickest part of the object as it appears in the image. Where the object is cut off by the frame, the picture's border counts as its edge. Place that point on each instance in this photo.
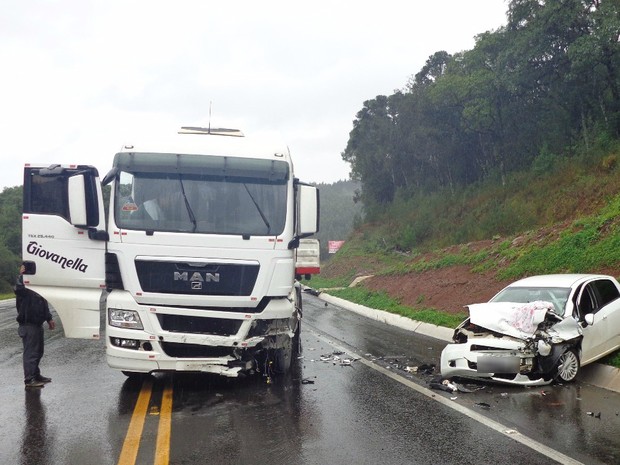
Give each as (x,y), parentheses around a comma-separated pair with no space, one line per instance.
(372,411)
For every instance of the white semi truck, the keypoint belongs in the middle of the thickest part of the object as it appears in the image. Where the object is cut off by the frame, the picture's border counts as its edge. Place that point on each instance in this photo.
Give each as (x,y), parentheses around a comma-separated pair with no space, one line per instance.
(195,268)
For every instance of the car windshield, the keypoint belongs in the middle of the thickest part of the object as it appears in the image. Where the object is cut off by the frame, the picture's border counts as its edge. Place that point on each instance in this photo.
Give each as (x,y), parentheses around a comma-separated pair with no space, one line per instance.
(558,296)
(200,203)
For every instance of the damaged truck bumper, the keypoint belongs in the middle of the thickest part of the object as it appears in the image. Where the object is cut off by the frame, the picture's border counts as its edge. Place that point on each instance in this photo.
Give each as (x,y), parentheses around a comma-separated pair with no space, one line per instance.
(226,343)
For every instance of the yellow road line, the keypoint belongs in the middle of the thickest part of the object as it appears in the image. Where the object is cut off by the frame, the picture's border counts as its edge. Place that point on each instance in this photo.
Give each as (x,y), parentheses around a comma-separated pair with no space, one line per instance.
(162,451)
(129,453)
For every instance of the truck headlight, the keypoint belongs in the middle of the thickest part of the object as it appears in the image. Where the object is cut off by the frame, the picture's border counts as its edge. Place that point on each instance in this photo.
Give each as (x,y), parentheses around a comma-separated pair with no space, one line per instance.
(124,318)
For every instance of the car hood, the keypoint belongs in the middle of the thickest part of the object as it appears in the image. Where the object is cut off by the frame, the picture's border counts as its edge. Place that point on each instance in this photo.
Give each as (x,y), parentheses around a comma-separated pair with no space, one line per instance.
(522,320)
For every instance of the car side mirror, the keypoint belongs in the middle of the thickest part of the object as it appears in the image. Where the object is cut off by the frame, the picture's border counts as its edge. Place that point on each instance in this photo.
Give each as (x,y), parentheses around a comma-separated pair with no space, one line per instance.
(589,319)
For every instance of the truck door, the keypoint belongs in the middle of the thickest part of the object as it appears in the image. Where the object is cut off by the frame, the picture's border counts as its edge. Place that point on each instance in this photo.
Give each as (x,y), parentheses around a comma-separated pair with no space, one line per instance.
(63,243)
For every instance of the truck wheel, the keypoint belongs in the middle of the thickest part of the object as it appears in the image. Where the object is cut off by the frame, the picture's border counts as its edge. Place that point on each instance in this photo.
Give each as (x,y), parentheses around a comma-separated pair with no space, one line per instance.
(297,339)
(567,366)
(282,358)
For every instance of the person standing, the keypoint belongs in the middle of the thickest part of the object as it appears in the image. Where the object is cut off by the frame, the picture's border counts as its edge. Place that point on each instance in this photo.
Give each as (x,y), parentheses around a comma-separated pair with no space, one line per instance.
(32,311)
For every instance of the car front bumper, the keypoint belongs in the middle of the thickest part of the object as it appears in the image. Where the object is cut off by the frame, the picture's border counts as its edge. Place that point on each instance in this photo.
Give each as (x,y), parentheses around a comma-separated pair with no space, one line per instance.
(498,364)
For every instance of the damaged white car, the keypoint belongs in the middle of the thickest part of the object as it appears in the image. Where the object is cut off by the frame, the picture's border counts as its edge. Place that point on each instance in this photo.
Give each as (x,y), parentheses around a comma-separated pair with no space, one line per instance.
(537,330)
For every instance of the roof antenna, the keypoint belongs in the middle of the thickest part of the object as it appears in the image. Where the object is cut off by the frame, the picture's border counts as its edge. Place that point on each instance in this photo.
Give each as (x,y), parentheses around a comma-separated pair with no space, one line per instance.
(210,103)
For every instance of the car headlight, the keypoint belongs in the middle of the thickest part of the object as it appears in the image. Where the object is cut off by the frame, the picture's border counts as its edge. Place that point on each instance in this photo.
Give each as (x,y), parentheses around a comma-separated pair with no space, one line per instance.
(124,318)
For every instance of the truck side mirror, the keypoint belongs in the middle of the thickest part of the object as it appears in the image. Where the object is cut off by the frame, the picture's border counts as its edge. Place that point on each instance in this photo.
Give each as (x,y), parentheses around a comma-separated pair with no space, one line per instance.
(589,319)
(307,210)
(79,196)
(77,201)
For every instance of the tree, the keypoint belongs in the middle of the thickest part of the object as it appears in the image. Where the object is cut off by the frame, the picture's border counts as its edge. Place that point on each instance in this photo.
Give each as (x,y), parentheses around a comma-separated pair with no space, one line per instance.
(10,236)
(369,151)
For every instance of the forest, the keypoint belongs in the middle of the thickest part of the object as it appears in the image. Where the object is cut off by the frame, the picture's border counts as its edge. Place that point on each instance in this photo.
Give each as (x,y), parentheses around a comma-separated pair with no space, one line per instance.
(545,86)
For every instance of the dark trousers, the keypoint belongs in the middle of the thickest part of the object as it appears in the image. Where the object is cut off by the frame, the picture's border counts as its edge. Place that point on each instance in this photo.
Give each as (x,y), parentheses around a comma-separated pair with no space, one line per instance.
(32,337)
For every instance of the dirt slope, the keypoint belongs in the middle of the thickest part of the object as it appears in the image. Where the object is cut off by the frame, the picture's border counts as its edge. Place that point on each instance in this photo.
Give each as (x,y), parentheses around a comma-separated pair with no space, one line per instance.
(447,289)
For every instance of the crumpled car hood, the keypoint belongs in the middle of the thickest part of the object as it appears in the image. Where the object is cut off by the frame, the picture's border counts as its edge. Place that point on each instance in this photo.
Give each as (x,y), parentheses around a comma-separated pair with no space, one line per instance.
(522,320)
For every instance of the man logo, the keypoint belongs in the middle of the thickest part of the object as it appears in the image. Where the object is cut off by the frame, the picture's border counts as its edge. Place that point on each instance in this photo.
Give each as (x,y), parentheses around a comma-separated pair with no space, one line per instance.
(197,278)
(197,285)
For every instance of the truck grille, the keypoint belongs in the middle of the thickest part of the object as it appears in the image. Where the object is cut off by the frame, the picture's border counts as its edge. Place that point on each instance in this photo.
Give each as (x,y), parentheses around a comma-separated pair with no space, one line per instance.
(198,325)
(217,279)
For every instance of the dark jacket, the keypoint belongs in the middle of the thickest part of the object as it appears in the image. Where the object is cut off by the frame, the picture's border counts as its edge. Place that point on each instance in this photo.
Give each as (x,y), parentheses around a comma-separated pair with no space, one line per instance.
(32,309)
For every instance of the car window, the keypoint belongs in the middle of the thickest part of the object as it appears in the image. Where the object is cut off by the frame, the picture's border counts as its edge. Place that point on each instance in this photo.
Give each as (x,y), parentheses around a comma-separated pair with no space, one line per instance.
(605,291)
(586,303)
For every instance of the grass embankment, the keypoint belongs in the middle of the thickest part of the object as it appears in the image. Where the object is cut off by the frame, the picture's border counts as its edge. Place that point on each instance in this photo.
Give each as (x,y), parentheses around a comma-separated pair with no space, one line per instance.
(381,301)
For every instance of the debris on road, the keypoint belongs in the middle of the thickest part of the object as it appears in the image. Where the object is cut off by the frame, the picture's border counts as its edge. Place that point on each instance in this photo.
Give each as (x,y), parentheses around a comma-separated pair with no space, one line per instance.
(425,368)
(309,290)
(337,358)
(442,384)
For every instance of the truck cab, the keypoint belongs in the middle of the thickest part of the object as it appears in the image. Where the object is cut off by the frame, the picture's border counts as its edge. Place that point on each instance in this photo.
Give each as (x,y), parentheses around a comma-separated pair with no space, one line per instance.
(195,266)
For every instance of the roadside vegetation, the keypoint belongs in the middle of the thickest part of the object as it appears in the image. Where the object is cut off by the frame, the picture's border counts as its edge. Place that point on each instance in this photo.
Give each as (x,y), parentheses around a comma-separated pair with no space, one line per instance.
(339,287)
(502,159)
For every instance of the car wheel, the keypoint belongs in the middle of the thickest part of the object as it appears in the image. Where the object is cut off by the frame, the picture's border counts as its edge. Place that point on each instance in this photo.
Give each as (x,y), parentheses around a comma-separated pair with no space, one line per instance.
(567,366)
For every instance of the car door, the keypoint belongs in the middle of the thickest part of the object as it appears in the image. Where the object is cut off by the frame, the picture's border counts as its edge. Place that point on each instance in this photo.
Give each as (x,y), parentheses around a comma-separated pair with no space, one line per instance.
(63,243)
(608,312)
(599,298)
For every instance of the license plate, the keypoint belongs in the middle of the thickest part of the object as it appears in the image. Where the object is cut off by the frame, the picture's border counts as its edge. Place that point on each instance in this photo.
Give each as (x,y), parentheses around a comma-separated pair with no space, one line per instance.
(498,364)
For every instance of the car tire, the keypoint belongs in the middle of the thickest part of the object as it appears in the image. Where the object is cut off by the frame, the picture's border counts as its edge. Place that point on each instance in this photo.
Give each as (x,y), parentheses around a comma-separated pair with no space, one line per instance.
(133,374)
(567,366)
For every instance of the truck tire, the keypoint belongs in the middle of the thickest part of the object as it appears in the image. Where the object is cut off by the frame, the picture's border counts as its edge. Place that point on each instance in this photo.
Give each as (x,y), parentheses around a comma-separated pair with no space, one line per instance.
(297,340)
(567,367)
(297,335)
(282,358)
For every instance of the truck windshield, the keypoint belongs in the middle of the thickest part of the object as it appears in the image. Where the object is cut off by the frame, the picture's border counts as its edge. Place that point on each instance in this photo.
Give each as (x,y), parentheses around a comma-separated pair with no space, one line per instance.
(201,203)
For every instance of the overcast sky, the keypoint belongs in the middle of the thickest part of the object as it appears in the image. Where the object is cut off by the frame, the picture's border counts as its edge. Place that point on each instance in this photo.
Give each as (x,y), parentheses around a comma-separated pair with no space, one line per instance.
(82,77)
